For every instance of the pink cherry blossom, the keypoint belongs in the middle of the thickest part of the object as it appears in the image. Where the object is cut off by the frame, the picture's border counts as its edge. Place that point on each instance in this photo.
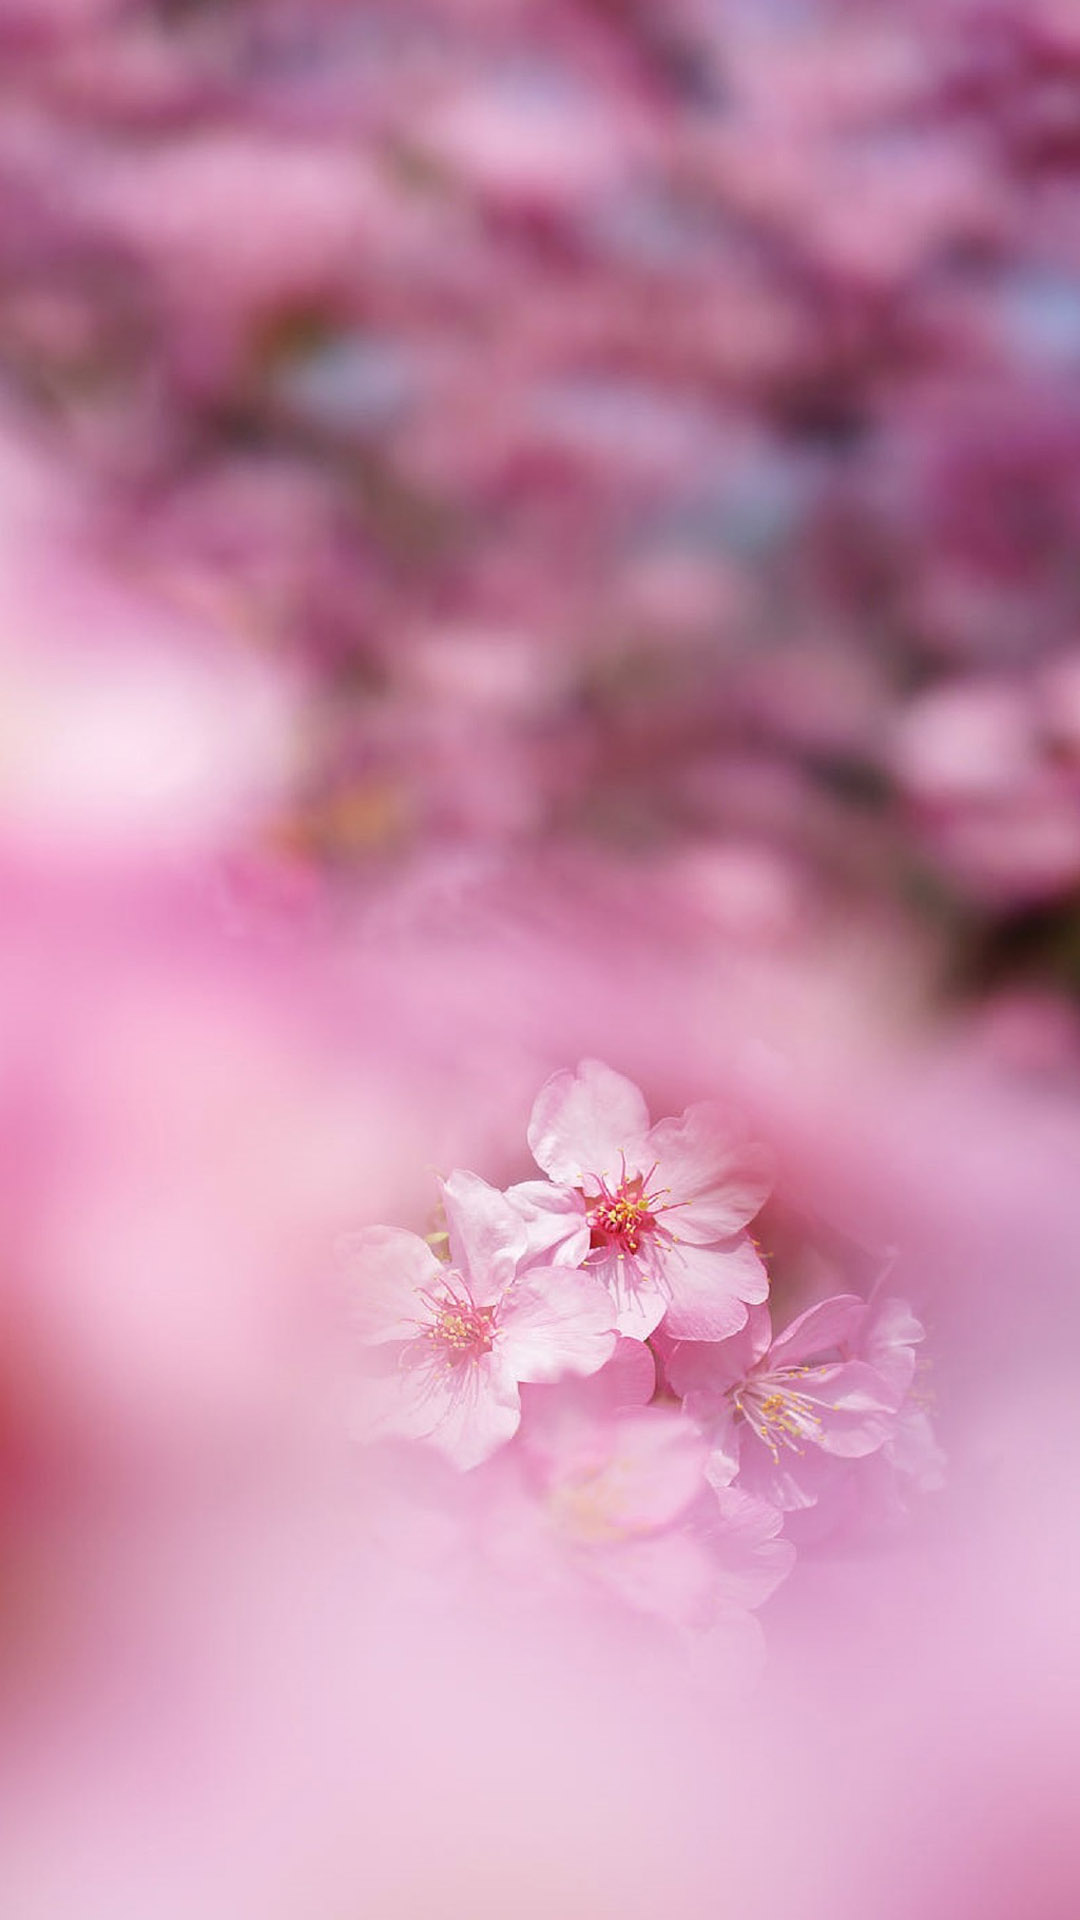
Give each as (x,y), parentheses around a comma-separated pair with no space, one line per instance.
(603,1489)
(775,1410)
(461,1336)
(665,1206)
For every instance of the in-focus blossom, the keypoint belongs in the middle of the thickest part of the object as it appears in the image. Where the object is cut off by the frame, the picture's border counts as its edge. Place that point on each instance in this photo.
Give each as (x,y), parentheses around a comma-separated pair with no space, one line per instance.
(459,1337)
(666,1206)
(773,1408)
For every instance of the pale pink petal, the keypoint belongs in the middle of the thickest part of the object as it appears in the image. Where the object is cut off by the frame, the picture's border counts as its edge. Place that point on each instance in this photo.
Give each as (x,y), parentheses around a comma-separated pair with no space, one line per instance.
(487,1234)
(709,1289)
(790,1481)
(405,1398)
(555,1322)
(557,1232)
(583,1124)
(670,1574)
(716,1419)
(624,1475)
(759,1328)
(717,1179)
(751,1558)
(712,1366)
(832,1494)
(832,1323)
(477,1408)
(912,1449)
(409,1393)
(625,1382)
(890,1336)
(629,1378)
(855,1407)
(638,1312)
(388,1269)
(404,1393)
(638,1296)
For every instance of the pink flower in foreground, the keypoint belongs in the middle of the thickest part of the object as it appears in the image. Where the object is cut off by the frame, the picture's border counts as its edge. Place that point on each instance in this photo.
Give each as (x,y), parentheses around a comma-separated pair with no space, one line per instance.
(460,1336)
(604,1488)
(664,1207)
(774,1410)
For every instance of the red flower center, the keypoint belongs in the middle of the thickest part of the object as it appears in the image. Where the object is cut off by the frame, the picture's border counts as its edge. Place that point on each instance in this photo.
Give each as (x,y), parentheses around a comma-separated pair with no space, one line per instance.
(621,1219)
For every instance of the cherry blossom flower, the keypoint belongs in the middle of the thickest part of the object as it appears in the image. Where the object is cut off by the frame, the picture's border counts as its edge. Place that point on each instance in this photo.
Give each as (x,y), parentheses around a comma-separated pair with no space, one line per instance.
(601,1488)
(665,1206)
(775,1410)
(459,1337)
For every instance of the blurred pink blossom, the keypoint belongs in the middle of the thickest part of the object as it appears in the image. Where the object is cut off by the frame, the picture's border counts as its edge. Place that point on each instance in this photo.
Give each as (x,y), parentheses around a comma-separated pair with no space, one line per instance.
(462,1337)
(616,1495)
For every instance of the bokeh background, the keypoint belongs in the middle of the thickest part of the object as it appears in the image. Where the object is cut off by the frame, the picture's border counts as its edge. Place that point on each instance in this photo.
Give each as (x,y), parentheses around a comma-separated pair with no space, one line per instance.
(526,529)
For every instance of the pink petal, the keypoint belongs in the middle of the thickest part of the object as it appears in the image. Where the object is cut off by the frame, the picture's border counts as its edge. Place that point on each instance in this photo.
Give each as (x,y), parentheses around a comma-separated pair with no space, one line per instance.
(751,1558)
(716,1419)
(912,1449)
(855,1406)
(718,1179)
(658,1460)
(402,1400)
(629,1378)
(694,1366)
(792,1482)
(388,1269)
(570,1415)
(487,1235)
(759,1328)
(467,1412)
(639,1312)
(631,1473)
(831,1323)
(639,1299)
(582,1123)
(557,1232)
(890,1336)
(709,1288)
(556,1322)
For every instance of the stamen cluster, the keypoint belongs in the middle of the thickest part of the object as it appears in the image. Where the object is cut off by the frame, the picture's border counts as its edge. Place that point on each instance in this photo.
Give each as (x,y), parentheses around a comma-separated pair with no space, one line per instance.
(623,1218)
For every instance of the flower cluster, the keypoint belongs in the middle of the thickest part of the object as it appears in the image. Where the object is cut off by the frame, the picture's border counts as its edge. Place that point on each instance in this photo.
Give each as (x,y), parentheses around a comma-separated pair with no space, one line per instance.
(598,1347)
